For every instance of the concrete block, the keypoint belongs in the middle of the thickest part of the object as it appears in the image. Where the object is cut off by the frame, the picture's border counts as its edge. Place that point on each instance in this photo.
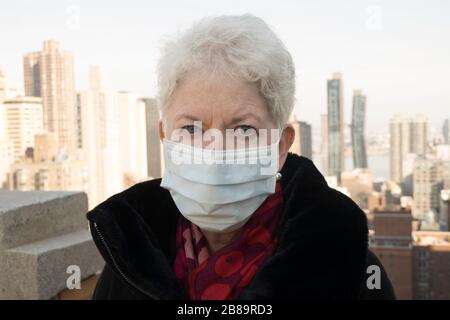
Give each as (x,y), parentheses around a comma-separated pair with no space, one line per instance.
(38,270)
(29,216)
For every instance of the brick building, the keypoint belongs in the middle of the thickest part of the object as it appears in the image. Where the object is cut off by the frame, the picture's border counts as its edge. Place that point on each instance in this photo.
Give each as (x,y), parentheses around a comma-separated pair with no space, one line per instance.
(417,262)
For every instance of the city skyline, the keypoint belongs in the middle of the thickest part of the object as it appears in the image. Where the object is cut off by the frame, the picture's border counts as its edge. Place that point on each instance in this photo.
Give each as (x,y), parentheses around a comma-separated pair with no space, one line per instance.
(80,132)
(399,63)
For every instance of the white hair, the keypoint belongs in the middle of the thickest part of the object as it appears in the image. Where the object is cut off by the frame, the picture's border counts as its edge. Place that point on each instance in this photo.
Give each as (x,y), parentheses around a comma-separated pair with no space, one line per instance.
(240,46)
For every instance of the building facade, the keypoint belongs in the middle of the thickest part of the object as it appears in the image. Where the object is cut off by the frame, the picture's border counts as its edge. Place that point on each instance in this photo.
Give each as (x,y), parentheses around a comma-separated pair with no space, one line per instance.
(154,146)
(358,129)
(336,148)
(302,144)
(7,91)
(407,136)
(49,74)
(446,131)
(428,183)
(47,169)
(23,119)
(444,210)
(324,143)
(392,242)
(114,138)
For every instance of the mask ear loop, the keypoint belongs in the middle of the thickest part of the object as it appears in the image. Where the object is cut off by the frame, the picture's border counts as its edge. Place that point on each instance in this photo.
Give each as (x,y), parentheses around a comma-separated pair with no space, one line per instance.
(278,175)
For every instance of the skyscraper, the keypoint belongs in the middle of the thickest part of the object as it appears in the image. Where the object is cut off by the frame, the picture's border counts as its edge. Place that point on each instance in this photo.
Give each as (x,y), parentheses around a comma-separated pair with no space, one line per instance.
(428,183)
(446,131)
(113,140)
(154,147)
(49,74)
(32,74)
(399,145)
(336,164)
(357,127)
(302,144)
(324,143)
(306,140)
(7,91)
(419,134)
(407,136)
(444,210)
(24,119)
(6,149)
(100,139)
(133,137)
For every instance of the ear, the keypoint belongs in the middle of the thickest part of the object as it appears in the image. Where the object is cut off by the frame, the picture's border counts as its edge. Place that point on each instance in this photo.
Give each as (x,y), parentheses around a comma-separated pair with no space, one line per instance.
(161,130)
(286,141)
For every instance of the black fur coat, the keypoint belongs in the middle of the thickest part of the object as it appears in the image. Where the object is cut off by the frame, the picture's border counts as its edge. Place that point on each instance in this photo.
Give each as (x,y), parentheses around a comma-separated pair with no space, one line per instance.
(322,250)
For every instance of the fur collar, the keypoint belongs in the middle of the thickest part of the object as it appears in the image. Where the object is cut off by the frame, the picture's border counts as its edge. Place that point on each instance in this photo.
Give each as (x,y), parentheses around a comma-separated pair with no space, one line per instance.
(321,253)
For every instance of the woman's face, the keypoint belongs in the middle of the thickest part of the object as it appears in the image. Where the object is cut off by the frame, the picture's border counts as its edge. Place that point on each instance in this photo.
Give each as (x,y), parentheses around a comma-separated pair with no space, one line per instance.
(222,105)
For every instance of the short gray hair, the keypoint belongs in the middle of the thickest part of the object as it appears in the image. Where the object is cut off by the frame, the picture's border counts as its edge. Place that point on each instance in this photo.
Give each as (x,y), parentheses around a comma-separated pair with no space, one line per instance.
(240,46)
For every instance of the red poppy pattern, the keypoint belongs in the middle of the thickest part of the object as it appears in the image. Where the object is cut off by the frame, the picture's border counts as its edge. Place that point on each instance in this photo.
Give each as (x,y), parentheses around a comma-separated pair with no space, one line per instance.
(223,274)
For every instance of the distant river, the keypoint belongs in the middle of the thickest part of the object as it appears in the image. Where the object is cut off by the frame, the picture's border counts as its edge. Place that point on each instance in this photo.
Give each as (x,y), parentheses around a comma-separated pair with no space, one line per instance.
(378,163)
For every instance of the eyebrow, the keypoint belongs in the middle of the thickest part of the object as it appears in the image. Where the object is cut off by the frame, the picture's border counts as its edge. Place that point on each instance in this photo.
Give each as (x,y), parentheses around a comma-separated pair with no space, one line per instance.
(234,120)
(186,115)
(244,116)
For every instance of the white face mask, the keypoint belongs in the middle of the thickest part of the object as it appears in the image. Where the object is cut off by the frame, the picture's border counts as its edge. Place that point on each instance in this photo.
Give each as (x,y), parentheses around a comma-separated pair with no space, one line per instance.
(216,195)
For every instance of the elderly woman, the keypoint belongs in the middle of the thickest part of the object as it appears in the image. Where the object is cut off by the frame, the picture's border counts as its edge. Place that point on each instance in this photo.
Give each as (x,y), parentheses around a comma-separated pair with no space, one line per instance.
(263,225)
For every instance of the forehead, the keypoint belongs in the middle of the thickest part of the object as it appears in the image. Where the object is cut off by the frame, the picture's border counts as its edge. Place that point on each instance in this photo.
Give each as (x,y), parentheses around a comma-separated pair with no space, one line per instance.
(201,95)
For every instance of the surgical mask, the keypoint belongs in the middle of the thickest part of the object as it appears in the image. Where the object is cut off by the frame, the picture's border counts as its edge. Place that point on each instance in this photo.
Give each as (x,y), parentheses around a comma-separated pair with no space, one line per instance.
(218,190)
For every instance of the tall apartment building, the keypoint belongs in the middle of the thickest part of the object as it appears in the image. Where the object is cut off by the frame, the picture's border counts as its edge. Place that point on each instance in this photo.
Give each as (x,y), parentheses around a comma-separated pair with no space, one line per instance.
(357,130)
(23,119)
(428,183)
(49,74)
(446,131)
(336,148)
(419,134)
(133,137)
(7,91)
(154,146)
(392,243)
(407,136)
(399,146)
(45,168)
(6,149)
(444,210)
(114,138)
(324,143)
(302,144)
(417,262)
(99,141)
(431,269)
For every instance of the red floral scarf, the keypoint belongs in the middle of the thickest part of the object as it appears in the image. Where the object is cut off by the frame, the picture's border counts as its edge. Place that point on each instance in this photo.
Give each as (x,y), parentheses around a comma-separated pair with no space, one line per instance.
(223,274)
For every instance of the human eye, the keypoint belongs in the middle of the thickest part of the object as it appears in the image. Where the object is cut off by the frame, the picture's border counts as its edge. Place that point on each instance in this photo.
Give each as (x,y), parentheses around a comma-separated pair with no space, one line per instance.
(245,130)
(191,128)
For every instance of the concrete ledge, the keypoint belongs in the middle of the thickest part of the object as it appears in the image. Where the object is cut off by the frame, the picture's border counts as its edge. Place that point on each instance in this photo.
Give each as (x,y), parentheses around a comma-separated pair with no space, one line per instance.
(38,270)
(28,216)
(42,233)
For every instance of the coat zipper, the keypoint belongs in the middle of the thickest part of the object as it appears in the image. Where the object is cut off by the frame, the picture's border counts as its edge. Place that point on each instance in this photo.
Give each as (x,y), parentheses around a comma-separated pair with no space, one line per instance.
(117,266)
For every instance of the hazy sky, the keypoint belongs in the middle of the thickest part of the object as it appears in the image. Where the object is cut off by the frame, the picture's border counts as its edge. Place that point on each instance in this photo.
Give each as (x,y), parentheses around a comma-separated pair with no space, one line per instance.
(396,52)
